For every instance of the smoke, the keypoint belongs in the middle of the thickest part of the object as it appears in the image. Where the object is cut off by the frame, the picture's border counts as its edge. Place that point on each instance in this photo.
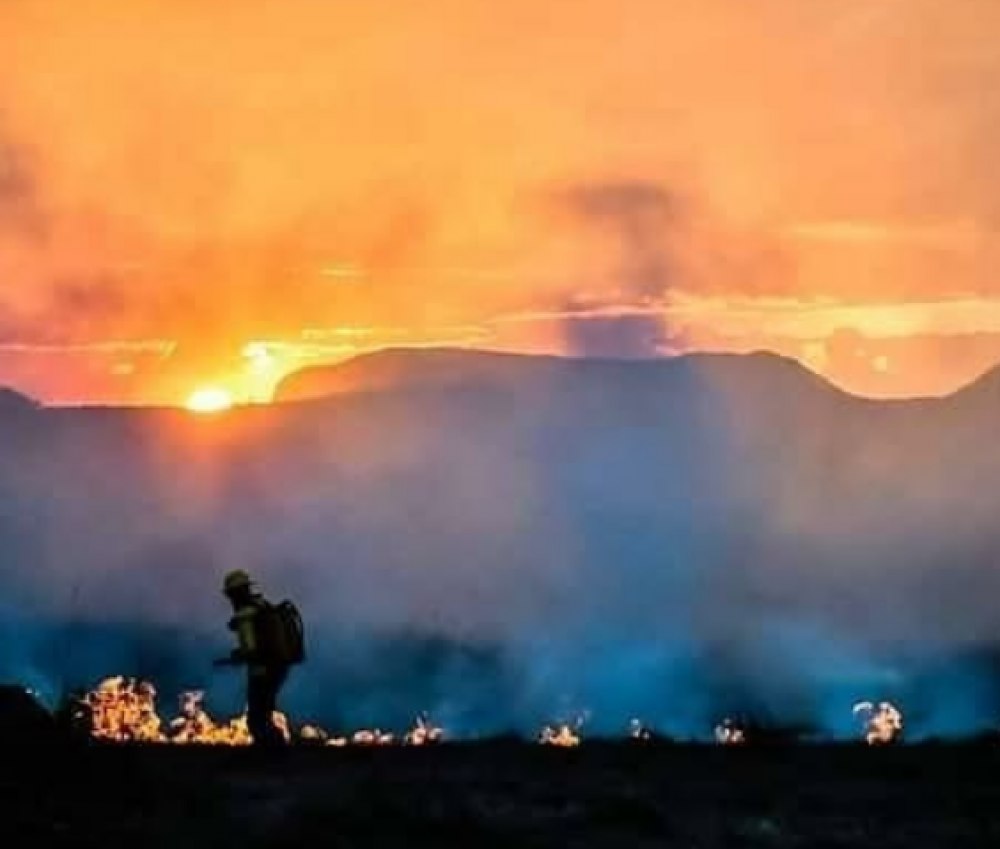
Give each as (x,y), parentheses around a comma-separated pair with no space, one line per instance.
(630,227)
(676,540)
(21,215)
(641,217)
(623,337)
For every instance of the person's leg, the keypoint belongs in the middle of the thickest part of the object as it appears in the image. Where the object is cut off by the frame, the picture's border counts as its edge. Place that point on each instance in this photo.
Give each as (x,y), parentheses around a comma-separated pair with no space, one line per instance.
(278,679)
(261,705)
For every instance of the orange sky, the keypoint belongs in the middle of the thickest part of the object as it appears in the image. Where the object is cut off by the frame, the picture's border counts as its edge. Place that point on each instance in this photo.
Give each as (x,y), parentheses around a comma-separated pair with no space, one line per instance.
(218,191)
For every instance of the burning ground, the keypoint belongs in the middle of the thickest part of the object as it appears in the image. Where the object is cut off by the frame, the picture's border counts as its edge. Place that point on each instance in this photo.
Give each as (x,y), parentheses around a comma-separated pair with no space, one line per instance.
(125,711)
(136,777)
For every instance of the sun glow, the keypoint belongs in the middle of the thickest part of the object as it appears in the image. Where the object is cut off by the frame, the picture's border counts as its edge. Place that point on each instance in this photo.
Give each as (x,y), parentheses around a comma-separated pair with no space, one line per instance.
(209,399)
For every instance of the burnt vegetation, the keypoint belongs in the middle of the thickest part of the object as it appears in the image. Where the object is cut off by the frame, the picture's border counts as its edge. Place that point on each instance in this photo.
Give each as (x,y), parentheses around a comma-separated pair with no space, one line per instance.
(497,794)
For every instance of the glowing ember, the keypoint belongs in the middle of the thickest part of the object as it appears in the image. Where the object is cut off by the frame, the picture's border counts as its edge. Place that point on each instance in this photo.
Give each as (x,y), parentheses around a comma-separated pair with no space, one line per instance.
(883,723)
(729,733)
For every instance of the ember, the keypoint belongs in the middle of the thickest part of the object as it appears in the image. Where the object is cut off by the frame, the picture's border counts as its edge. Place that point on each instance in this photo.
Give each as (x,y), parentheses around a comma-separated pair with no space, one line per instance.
(883,723)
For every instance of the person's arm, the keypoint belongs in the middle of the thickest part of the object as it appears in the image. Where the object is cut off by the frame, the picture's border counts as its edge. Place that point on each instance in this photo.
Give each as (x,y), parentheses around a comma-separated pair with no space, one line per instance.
(246,636)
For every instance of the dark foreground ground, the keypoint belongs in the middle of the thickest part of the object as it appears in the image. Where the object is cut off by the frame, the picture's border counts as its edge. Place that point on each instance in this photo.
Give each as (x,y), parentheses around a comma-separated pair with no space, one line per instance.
(600,795)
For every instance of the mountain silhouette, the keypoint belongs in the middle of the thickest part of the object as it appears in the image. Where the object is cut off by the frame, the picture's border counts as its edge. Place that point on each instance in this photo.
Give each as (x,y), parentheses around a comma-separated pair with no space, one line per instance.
(15,402)
(410,368)
(657,538)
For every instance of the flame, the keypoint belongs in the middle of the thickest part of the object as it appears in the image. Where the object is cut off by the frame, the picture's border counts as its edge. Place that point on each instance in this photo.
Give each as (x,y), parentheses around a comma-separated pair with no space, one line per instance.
(194,725)
(729,733)
(424,733)
(123,710)
(883,723)
(563,734)
(372,737)
(638,731)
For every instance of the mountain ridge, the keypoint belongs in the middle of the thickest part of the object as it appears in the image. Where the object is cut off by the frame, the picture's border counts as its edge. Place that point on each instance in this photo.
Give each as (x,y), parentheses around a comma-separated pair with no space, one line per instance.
(393,368)
(11,400)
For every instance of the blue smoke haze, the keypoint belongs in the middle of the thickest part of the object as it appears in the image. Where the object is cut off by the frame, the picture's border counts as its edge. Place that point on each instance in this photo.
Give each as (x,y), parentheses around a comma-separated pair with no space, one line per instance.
(675,541)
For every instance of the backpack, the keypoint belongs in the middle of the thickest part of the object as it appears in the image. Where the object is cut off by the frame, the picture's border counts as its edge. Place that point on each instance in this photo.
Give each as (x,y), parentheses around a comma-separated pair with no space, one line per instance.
(281,634)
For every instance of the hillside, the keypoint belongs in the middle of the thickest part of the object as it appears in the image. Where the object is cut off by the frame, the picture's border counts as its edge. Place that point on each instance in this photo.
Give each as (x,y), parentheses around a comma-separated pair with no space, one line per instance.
(14,402)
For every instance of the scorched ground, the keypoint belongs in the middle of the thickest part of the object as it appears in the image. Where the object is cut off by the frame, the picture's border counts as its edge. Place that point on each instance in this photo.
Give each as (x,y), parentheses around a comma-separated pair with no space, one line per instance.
(505,793)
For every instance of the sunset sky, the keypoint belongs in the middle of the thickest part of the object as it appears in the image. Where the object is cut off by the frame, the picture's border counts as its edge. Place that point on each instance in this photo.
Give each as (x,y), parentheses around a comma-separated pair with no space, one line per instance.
(216,192)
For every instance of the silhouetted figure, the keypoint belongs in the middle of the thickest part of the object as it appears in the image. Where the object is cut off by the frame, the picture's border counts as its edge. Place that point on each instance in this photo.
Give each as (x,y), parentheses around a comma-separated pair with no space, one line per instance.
(270,642)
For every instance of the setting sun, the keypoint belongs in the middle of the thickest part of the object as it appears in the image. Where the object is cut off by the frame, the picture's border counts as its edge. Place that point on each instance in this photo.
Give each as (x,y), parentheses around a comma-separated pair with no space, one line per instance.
(209,399)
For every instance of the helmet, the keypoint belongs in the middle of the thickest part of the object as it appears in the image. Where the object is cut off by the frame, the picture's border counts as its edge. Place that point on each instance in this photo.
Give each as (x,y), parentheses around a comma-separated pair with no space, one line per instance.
(236,580)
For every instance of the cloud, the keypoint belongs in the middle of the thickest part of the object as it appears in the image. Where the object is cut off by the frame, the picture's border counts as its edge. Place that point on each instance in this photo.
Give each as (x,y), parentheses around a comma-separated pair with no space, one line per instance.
(360,166)
(957,234)
(157,347)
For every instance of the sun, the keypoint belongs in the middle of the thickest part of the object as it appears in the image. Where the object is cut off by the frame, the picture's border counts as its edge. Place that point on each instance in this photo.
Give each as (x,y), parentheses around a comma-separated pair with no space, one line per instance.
(209,399)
